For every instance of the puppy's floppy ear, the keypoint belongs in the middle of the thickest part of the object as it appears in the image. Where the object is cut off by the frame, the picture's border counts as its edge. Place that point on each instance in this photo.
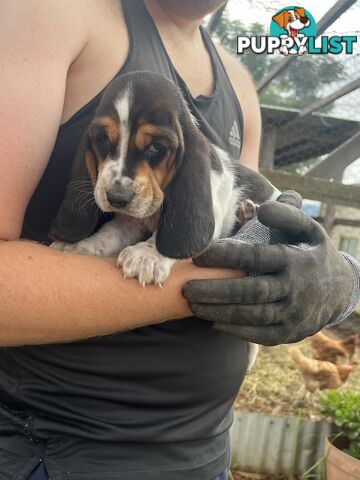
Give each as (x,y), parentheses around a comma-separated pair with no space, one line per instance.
(78,216)
(281,18)
(187,220)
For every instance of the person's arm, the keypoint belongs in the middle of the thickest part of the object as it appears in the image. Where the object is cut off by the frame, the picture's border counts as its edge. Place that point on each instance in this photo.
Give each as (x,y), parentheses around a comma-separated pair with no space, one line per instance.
(47,296)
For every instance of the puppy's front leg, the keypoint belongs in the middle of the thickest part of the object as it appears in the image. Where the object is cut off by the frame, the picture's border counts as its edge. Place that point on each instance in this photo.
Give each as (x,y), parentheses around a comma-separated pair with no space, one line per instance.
(111,238)
(145,262)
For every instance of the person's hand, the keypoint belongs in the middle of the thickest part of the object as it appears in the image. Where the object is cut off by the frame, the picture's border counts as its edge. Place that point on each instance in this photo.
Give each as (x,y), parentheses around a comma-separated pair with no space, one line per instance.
(300,286)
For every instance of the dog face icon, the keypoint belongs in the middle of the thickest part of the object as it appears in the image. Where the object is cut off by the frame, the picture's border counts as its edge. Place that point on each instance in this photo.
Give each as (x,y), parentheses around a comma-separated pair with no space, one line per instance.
(292,20)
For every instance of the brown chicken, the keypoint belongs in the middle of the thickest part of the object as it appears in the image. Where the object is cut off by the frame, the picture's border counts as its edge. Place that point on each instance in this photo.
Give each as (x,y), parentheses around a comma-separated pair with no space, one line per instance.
(328,349)
(320,374)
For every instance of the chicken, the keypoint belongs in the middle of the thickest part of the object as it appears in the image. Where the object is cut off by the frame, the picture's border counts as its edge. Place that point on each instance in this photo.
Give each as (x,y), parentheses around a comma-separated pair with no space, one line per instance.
(328,349)
(321,374)
(352,343)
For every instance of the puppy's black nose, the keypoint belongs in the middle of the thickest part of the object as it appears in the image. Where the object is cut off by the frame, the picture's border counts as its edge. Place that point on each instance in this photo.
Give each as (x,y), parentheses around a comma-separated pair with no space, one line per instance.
(304,20)
(119,200)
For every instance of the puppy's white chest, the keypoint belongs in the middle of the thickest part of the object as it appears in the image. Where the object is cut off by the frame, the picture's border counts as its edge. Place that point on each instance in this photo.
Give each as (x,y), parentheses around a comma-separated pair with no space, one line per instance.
(225,199)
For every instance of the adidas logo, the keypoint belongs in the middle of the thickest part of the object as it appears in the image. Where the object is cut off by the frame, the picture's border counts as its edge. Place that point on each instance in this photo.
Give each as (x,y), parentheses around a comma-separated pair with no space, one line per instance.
(234,138)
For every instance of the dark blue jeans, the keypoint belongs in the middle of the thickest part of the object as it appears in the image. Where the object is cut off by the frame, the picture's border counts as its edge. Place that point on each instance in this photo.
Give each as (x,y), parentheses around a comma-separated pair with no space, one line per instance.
(40,473)
(223,476)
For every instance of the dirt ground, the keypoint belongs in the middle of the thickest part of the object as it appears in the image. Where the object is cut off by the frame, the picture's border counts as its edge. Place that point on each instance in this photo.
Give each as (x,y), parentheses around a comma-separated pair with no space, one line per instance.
(238,475)
(275,386)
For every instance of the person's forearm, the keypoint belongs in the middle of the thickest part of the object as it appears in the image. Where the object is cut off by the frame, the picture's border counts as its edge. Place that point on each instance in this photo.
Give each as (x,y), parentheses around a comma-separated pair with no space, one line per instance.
(49,297)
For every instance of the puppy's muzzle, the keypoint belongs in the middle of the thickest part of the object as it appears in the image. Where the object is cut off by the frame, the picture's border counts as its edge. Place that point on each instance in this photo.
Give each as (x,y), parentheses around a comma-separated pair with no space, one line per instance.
(119,199)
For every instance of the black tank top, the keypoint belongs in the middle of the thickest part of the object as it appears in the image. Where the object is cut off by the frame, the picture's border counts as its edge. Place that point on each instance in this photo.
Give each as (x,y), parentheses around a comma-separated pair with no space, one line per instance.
(150,404)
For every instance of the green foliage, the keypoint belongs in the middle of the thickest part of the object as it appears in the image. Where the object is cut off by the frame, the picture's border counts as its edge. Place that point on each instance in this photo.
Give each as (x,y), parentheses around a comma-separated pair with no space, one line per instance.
(344,410)
(297,86)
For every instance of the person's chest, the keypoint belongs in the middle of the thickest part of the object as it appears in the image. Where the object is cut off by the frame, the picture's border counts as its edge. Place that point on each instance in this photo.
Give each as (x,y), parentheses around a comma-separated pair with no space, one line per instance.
(106,50)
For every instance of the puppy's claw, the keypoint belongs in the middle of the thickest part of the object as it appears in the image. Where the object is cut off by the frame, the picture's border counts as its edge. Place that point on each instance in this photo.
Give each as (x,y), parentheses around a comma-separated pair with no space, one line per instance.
(146,263)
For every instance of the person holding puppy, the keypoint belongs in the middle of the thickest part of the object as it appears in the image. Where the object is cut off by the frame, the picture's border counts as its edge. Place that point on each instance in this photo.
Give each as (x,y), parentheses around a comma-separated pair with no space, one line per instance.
(100,378)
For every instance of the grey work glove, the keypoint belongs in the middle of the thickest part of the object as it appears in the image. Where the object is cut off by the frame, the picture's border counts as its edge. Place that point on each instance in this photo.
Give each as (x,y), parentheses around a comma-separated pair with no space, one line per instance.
(299,287)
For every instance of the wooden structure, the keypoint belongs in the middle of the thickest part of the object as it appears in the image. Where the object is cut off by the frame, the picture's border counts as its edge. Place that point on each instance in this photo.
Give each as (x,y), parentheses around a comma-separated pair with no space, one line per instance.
(289,138)
(317,189)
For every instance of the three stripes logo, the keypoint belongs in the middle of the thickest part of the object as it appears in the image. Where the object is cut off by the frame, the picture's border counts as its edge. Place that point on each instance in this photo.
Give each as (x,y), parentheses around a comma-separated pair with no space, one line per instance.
(234,138)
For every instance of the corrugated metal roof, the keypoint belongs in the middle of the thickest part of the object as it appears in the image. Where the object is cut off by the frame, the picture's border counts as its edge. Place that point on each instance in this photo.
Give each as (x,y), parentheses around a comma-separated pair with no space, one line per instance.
(277,445)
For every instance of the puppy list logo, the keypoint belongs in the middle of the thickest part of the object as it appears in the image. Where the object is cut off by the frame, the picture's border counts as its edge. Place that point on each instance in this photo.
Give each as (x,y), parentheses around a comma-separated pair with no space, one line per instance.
(299,26)
(293,32)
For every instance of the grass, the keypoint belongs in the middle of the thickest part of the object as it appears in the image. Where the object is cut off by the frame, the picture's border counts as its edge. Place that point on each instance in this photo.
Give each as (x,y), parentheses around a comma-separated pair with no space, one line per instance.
(238,475)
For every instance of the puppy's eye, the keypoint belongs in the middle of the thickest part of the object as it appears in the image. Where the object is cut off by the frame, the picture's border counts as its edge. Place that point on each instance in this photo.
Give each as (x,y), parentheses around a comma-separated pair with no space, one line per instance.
(155,151)
(102,143)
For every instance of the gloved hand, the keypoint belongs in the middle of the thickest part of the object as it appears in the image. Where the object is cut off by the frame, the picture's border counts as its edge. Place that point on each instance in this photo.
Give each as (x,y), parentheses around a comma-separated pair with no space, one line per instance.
(300,287)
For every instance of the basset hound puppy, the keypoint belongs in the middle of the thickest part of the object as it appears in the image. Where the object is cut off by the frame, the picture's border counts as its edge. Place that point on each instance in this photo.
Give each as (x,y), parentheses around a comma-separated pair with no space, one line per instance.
(171,192)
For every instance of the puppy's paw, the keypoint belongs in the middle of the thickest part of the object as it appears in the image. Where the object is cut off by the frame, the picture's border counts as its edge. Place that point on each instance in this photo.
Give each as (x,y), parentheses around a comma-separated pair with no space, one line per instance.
(82,248)
(60,246)
(146,263)
(246,211)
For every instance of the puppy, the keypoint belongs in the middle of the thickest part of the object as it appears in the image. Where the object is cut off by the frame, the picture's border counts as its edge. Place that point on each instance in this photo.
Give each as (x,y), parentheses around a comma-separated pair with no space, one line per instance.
(169,189)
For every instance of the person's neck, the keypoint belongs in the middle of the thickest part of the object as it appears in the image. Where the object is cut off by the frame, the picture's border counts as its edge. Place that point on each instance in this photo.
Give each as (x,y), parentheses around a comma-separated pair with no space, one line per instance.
(174,24)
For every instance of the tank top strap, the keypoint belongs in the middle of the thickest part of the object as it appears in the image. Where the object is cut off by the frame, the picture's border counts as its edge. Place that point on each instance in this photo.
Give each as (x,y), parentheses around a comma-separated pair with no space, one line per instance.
(147,51)
(232,124)
(218,67)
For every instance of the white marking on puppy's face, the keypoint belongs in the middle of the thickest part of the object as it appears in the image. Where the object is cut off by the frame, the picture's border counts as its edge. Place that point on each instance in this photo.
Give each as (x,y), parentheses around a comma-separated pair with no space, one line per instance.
(123,107)
(111,173)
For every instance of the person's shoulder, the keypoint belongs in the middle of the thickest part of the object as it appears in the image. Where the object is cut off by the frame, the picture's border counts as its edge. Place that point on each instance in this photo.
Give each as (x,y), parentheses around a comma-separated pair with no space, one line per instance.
(56,25)
(239,75)
(33,11)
